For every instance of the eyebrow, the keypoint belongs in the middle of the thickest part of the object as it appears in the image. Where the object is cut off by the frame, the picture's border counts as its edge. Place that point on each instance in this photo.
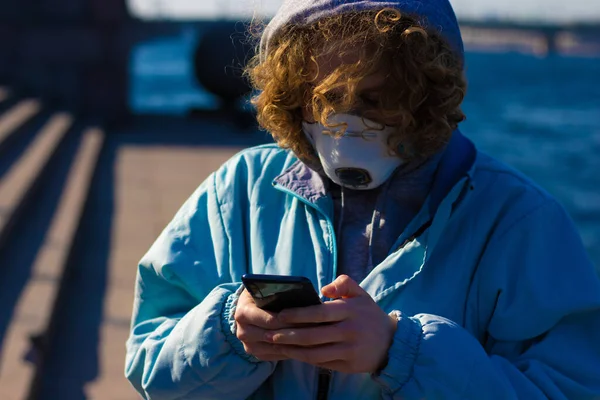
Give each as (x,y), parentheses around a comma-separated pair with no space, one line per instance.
(366,92)
(376,86)
(371,91)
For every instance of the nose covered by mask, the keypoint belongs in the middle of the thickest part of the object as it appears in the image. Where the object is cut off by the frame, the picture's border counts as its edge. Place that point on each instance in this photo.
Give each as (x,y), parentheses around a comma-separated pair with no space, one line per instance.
(359,159)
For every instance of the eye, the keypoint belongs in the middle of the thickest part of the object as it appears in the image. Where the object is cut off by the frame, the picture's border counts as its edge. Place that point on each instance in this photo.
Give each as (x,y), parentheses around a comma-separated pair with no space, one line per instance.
(334,97)
(370,100)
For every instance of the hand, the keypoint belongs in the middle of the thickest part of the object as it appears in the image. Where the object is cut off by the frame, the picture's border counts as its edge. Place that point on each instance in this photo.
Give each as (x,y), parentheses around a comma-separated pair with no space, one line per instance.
(252,326)
(356,339)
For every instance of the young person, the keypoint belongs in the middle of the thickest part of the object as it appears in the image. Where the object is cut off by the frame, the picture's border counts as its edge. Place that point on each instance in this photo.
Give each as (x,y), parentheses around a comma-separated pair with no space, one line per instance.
(451,275)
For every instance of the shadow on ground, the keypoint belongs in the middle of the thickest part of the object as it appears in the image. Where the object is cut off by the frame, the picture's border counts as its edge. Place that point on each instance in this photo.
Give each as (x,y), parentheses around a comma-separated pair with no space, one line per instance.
(19,251)
(73,361)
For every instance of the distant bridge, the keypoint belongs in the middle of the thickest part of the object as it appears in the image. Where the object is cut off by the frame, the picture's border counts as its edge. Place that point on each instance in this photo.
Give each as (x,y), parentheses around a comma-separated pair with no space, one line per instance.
(551,32)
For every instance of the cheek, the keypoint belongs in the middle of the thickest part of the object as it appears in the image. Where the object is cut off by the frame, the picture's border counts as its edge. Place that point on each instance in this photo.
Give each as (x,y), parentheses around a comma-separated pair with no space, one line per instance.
(307,114)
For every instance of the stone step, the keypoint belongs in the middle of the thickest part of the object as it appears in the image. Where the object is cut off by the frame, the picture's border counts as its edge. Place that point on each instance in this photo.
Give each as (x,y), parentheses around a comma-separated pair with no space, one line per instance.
(32,325)
(15,117)
(19,183)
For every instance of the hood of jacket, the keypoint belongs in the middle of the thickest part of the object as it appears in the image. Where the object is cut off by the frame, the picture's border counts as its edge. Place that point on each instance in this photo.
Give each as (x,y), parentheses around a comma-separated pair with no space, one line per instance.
(437,15)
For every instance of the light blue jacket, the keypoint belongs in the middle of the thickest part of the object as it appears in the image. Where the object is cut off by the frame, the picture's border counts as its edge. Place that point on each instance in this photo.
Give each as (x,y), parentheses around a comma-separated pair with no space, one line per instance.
(498,297)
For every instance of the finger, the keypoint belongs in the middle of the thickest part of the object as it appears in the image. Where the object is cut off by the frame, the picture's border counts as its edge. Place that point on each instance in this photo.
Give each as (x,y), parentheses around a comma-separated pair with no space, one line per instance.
(247,313)
(343,287)
(332,311)
(250,333)
(307,336)
(262,349)
(317,355)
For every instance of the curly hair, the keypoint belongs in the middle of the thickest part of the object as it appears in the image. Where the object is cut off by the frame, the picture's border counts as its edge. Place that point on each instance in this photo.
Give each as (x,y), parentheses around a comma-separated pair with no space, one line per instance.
(424,88)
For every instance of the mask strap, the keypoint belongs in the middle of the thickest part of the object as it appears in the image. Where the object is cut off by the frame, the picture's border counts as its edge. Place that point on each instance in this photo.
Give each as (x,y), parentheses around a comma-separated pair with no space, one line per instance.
(341,221)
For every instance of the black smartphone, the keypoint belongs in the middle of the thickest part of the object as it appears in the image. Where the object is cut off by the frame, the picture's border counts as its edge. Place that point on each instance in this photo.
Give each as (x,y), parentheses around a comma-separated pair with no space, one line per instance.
(277,292)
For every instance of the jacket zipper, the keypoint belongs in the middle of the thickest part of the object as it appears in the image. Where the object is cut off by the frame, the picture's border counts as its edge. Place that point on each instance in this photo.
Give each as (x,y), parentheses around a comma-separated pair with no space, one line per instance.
(323,383)
(324,375)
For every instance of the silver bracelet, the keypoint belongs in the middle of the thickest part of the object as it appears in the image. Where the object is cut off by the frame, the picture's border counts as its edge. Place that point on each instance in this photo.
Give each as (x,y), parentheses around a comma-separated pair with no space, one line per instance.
(396,314)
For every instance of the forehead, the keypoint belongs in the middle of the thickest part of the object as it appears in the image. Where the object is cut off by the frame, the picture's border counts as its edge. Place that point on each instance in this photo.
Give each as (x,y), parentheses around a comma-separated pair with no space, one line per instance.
(326,63)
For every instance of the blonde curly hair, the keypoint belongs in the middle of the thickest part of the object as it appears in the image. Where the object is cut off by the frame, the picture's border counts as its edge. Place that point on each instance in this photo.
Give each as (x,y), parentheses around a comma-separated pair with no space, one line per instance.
(425,83)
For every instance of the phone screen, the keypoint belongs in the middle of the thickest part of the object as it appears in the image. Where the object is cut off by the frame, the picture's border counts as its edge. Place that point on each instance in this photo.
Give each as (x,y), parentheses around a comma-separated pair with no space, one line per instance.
(275,293)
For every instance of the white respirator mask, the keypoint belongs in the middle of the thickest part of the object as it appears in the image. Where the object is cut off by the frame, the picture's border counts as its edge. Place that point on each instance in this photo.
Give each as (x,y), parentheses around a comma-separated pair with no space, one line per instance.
(360,158)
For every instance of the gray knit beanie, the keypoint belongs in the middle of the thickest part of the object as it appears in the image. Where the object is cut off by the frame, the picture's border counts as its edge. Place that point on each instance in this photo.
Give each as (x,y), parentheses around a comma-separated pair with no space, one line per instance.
(433,14)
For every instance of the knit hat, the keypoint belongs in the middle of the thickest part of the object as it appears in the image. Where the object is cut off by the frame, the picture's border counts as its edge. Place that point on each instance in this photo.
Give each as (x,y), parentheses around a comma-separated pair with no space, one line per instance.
(437,15)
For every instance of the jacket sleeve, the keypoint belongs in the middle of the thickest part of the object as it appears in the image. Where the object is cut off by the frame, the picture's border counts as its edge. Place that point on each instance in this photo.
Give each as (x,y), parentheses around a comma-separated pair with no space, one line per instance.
(181,343)
(541,342)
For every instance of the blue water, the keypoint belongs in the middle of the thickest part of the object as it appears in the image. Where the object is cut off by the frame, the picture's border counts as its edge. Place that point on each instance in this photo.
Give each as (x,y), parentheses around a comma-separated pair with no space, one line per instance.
(540,115)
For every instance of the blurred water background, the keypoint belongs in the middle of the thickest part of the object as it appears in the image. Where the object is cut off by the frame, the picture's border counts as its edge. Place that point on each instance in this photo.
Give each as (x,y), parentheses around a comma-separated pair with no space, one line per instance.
(541,115)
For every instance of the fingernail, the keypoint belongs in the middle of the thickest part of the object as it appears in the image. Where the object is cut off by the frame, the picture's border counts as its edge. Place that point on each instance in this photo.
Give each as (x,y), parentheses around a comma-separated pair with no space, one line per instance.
(282,316)
(269,336)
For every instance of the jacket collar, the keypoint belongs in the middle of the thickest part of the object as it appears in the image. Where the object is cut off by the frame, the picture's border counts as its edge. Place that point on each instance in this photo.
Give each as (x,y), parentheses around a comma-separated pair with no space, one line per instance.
(456,163)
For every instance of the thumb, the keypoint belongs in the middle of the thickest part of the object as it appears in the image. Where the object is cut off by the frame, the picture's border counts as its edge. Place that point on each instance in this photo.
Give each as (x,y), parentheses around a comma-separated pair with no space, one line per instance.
(343,287)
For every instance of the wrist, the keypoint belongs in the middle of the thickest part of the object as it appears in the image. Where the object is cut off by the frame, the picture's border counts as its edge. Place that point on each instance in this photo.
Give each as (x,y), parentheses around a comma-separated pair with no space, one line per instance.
(393,318)
(402,354)
(229,325)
